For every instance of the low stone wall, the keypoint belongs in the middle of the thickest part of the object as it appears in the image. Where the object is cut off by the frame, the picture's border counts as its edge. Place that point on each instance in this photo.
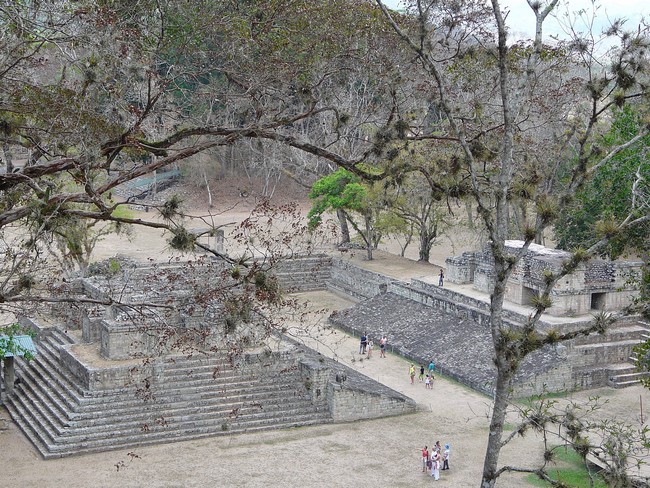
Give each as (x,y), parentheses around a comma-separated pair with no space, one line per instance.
(347,405)
(105,377)
(355,281)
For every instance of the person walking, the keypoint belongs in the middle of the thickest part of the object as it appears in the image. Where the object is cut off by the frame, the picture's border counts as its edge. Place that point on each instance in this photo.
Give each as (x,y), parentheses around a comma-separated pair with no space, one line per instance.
(441,277)
(363,343)
(382,347)
(371,346)
(412,373)
(427,382)
(421,376)
(432,368)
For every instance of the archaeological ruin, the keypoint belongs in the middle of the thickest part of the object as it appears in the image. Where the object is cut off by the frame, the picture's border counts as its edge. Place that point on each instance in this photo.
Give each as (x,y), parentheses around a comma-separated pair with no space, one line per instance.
(111,376)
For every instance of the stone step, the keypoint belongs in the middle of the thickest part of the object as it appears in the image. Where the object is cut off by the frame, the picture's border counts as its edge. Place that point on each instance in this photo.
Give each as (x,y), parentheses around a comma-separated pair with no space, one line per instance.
(620,368)
(45,368)
(624,384)
(26,427)
(186,390)
(166,436)
(59,419)
(178,421)
(232,386)
(620,333)
(626,379)
(42,399)
(38,423)
(608,352)
(49,428)
(50,446)
(136,408)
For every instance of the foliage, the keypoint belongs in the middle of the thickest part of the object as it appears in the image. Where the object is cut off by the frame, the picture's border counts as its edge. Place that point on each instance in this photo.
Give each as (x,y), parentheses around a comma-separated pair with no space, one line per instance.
(508,117)
(569,470)
(642,361)
(575,433)
(9,346)
(608,197)
(339,190)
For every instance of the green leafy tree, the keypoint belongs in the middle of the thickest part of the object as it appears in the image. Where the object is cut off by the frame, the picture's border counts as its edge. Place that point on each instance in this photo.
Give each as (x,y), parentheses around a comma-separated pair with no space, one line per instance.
(616,191)
(8,344)
(345,192)
(415,204)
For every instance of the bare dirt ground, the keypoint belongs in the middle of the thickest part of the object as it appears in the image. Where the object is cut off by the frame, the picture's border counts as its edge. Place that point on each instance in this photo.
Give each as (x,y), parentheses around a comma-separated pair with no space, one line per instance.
(378,453)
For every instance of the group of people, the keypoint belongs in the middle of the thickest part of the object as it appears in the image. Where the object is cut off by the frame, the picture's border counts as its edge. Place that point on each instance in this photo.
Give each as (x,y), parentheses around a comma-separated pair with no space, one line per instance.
(435,460)
(428,380)
(366,346)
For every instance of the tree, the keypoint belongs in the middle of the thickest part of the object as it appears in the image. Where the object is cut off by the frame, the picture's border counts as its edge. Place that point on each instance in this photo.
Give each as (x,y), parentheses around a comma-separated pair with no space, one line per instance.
(615,191)
(514,117)
(159,82)
(343,192)
(584,428)
(414,203)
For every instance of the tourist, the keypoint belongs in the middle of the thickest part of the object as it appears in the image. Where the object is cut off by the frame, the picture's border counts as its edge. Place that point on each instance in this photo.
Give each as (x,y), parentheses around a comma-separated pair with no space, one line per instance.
(425,458)
(363,343)
(432,368)
(445,457)
(382,347)
(437,447)
(441,277)
(371,345)
(421,375)
(427,382)
(435,465)
(412,373)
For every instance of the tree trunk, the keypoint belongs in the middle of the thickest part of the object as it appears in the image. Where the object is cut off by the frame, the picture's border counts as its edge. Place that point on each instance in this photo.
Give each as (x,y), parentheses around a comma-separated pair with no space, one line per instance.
(9,158)
(368,221)
(505,370)
(470,214)
(499,410)
(207,186)
(425,247)
(343,223)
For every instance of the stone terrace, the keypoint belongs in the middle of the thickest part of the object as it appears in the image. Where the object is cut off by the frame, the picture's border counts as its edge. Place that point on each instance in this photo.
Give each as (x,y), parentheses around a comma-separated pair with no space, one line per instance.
(420,333)
(400,298)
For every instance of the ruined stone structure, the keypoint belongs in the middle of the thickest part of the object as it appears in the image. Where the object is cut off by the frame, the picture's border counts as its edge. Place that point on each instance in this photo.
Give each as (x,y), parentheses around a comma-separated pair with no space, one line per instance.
(104,378)
(596,285)
(424,321)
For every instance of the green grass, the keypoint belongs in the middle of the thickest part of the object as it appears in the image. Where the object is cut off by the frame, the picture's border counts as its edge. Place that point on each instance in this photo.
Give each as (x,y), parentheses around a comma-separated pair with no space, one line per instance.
(569,469)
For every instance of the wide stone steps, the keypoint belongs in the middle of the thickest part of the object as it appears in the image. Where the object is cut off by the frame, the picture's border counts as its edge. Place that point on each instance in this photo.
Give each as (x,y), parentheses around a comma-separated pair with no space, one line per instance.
(191,397)
(180,424)
(50,445)
(163,434)
(122,412)
(614,349)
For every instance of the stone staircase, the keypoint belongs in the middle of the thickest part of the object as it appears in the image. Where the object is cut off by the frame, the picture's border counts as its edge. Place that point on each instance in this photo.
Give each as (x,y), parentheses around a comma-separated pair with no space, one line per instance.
(608,359)
(186,398)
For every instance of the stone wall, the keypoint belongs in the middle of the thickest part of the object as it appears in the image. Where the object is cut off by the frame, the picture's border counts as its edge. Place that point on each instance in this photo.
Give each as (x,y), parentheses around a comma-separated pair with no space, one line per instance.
(105,377)
(355,281)
(596,285)
(347,405)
